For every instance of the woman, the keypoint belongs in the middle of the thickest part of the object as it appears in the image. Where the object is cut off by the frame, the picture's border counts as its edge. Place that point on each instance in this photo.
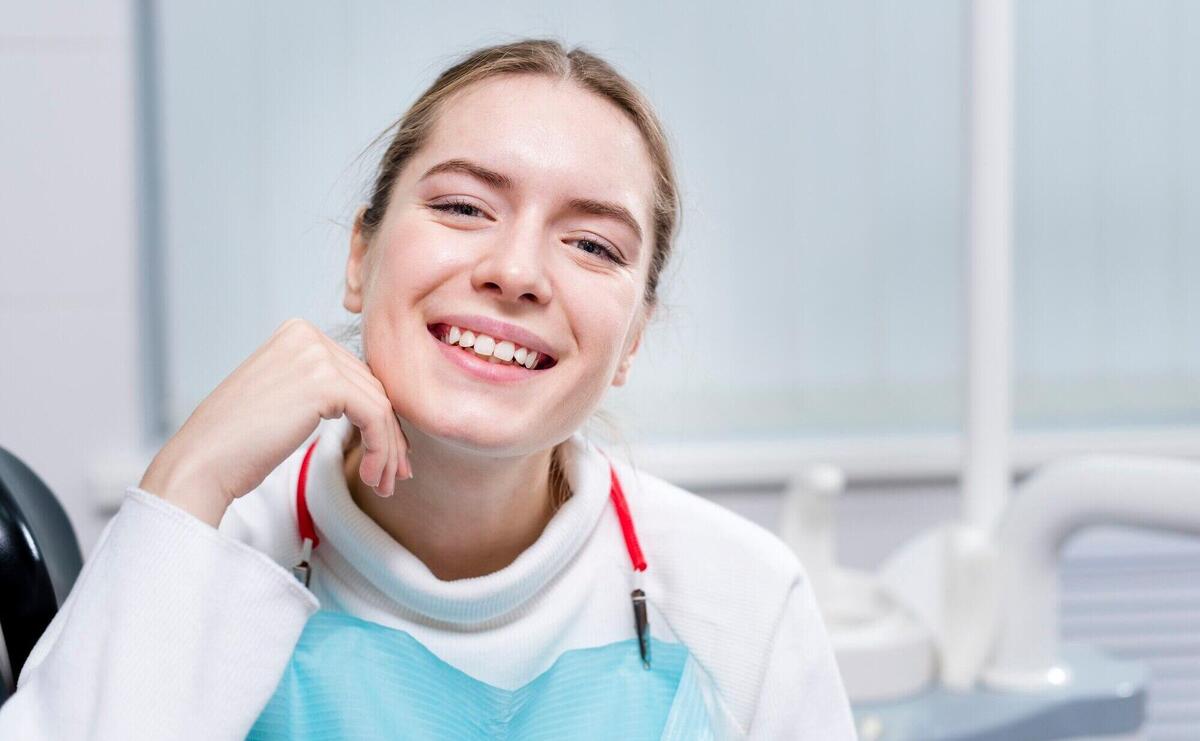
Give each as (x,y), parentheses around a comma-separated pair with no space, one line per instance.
(421,542)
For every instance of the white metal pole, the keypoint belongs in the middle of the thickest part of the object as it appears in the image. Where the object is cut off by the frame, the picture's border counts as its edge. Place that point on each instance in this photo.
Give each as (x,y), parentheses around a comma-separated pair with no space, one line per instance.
(986,464)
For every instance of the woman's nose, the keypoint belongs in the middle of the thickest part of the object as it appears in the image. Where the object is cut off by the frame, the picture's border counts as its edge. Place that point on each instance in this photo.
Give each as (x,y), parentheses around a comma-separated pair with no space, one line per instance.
(514,269)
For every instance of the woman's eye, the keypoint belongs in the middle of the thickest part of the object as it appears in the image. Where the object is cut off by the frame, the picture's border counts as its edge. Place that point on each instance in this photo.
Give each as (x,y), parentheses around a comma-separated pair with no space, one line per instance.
(596,248)
(458,208)
(592,247)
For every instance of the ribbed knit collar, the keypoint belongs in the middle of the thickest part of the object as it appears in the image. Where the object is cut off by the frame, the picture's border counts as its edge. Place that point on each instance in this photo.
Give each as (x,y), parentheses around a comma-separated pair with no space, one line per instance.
(402,577)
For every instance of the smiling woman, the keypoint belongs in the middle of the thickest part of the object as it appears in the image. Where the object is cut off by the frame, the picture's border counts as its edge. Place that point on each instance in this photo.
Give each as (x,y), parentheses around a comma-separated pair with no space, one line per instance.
(469,563)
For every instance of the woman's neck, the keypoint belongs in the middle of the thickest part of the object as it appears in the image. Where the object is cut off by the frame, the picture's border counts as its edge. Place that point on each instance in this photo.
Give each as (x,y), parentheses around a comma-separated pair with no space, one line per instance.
(461,515)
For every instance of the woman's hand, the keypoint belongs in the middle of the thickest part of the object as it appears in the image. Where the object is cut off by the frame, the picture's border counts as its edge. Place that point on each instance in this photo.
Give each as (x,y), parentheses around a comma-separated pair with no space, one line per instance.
(264,410)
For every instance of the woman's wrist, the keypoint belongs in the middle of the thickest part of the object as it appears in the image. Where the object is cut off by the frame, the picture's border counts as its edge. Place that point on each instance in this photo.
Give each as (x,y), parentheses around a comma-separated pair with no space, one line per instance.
(172,483)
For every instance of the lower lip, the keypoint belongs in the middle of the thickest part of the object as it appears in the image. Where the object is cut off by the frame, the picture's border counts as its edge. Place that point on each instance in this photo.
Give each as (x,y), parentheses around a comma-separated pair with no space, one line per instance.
(474,365)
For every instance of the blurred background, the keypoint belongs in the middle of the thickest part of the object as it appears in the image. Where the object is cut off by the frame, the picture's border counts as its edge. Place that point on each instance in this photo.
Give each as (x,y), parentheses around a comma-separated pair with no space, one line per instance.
(177,179)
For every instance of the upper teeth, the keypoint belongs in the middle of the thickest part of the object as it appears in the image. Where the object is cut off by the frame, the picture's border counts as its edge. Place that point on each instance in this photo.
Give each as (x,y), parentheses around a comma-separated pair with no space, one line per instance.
(503,351)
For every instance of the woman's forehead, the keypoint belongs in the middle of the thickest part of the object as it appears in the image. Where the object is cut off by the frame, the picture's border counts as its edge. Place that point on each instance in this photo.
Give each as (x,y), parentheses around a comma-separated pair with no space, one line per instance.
(548,136)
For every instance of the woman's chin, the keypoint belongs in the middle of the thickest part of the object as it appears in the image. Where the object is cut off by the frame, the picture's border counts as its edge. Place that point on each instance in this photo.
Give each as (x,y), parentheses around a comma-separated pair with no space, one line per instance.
(480,432)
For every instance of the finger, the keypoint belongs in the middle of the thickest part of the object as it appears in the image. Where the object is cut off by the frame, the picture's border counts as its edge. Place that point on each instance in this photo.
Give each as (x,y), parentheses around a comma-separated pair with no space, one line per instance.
(404,448)
(363,408)
(360,371)
(387,486)
(359,375)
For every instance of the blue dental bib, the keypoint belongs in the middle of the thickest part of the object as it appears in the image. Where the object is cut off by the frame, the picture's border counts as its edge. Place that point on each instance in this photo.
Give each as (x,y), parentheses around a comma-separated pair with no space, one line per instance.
(349,678)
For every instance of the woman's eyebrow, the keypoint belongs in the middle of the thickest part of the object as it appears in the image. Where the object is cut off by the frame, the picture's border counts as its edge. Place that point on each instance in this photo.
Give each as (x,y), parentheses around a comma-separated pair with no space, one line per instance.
(611,210)
(503,182)
(491,177)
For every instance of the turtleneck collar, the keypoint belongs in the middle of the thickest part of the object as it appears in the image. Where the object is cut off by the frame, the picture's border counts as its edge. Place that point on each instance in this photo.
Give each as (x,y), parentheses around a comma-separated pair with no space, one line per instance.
(402,577)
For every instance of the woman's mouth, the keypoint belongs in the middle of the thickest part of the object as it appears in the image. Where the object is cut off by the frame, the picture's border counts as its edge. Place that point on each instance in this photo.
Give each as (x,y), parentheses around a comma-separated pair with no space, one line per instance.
(494,359)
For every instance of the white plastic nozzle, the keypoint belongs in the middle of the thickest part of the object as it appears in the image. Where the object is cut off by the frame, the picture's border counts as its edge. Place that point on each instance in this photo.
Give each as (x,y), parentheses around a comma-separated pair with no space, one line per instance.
(808,523)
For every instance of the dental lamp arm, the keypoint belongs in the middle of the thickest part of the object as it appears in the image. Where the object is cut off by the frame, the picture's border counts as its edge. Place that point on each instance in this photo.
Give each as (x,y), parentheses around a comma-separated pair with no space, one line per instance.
(1056,502)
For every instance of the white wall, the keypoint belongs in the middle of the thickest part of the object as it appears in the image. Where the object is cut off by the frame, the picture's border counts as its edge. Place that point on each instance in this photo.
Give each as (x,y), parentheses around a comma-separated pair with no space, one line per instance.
(69,367)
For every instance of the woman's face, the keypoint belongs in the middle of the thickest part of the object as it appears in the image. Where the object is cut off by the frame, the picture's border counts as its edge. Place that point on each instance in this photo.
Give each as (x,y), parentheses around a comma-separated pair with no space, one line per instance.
(508,214)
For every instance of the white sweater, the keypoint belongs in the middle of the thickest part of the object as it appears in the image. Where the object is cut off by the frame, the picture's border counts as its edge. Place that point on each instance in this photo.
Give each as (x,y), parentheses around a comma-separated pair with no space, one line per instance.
(175,630)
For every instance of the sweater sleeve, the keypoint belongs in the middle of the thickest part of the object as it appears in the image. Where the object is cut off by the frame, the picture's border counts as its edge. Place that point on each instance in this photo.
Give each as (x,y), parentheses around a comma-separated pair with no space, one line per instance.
(172,630)
(802,695)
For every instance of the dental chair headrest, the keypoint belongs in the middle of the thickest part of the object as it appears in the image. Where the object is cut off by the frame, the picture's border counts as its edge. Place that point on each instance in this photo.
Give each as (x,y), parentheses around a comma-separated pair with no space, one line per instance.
(39,560)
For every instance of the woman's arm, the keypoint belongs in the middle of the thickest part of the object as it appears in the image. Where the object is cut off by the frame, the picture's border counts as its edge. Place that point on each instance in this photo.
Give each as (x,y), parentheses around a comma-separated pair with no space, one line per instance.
(172,630)
(175,629)
(802,695)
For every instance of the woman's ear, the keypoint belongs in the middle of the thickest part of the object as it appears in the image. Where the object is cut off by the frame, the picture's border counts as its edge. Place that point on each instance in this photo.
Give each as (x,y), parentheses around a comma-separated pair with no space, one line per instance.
(622,373)
(356,264)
